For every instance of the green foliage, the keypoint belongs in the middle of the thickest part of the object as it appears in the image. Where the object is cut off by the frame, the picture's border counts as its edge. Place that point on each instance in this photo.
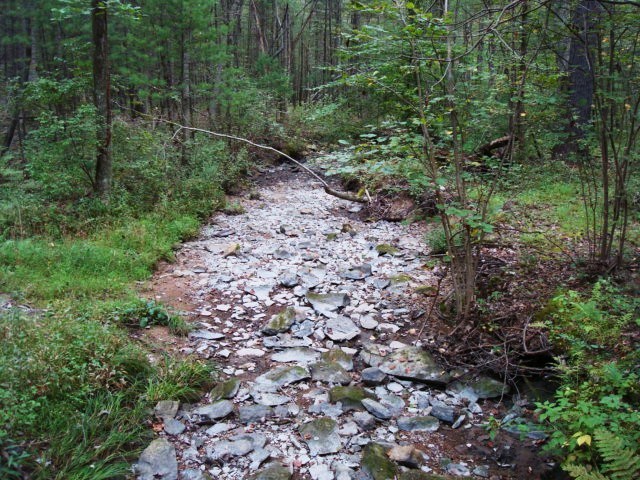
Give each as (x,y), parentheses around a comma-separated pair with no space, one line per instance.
(599,372)
(145,313)
(619,462)
(182,380)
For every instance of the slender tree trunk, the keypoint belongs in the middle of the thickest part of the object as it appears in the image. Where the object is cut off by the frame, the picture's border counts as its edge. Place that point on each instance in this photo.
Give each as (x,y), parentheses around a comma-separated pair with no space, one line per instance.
(101,98)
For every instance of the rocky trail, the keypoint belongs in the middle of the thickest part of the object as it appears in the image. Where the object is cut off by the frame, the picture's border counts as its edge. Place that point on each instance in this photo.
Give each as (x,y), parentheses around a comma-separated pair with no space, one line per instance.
(312,315)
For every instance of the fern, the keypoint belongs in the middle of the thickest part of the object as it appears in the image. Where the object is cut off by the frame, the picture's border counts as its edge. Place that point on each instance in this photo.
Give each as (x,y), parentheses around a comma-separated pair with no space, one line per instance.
(618,462)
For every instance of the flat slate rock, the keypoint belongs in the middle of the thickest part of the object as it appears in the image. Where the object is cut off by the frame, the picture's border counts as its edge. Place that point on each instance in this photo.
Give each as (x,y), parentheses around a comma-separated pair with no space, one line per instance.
(173,426)
(419,424)
(341,328)
(330,372)
(321,436)
(215,411)
(206,335)
(302,355)
(327,303)
(166,409)
(227,449)
(376,409)
(338,356)
(350,397)
(280,377)
(254,413)
(285,341)
(158,462)
(372,376)
(414,363)
(358,272)
(225,390)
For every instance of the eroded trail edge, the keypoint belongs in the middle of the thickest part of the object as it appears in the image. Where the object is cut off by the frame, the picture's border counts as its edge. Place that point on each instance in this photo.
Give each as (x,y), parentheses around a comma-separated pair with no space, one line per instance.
(312,315)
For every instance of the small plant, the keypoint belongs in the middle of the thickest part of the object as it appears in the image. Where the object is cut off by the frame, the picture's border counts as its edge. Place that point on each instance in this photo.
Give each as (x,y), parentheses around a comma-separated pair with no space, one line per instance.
(145,313)
(234,208)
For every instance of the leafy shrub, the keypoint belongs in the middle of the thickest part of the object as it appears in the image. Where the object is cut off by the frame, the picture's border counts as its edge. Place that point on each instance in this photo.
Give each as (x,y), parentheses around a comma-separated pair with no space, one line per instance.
(600,383)
(144,313)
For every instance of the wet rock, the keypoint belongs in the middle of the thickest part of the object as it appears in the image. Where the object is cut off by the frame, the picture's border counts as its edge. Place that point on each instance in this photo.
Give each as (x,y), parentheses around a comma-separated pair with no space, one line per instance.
(376,409)
(254,413)
(280,323)
(359,272)
(173,426)
(280,377)
(158,462)
(420,424)
(274,471)
(225,390)
(376,464)
(166,409)
(415,364)
(373,376)
(341,328)
(339,356)
(206,335)
(321,436)
(407,456)
(350,397)
(330,372)
(215,411)
(327,303)
(301,355)
(479,388)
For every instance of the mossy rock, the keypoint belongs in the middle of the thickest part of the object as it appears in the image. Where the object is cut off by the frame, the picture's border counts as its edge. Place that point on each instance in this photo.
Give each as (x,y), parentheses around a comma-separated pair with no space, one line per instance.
(280,322)
(225,390)
(331,236)
(386,249)
(376,464)
(350,397)
(338,356)
(401,278)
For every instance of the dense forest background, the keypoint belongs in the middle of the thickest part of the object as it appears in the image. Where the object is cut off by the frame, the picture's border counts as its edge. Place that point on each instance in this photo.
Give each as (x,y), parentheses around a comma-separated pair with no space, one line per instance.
(508,121)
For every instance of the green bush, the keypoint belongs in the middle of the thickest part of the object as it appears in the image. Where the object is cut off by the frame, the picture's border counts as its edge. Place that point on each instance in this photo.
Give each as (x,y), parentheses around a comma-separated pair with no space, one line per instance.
(600,385)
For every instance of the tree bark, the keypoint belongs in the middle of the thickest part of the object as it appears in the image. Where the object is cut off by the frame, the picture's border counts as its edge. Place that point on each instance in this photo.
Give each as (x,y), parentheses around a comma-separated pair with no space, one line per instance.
(101,98)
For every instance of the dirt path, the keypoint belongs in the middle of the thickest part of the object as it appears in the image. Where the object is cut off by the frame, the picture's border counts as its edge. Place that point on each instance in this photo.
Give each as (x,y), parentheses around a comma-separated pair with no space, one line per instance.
(312,316)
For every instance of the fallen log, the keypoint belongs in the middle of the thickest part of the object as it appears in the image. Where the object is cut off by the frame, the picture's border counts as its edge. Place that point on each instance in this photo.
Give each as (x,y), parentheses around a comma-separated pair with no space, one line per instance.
(488,148)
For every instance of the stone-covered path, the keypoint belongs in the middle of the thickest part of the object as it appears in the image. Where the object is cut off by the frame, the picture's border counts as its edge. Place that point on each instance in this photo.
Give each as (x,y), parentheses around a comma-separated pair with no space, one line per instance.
(312,317)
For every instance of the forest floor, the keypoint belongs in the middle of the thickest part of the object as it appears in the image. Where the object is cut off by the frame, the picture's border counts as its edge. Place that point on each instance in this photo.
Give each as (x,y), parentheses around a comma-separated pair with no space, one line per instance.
(296,296)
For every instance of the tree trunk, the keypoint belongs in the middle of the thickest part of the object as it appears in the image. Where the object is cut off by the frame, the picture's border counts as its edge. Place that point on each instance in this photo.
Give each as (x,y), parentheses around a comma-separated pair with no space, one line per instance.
(101,98)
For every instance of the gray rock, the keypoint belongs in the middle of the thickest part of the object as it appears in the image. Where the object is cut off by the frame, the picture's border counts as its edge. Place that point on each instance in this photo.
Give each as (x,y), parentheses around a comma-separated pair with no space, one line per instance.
(359,272)
(458,469)
(393,403)
(280,377)
(381,283)
(321,436)
(339,356)
(289,280)
(364,420)
(479,388)
(158,461)
(215,410)
(273,471)
(206,335)
(368,322)
(341,328)
(269,399)
(166,409)
(320,471)
(254,413)
(304,329)
(194,474)
(420,424)
(330,372)
(258,456)
(173,426)
(373,376)
(227,449)
(376,409)
(481,471)
(285,341)
(443,412)
(415,364)
(280,323)
(300,355)
(328,303)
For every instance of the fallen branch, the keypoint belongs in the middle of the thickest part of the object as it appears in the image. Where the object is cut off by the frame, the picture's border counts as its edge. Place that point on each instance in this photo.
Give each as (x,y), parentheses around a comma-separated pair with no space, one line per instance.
(327,188)
(488,148)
